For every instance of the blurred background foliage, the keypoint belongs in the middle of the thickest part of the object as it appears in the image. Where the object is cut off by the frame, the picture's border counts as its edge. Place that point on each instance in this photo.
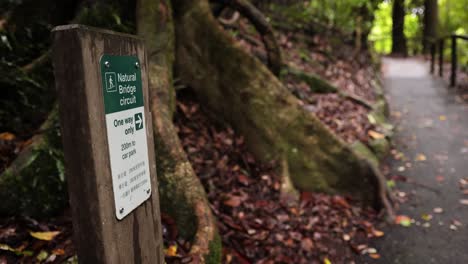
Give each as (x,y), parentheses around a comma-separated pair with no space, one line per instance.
(453,19)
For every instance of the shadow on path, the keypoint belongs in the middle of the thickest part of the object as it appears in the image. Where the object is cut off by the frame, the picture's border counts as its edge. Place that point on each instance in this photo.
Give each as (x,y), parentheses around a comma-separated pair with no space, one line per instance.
(432,132)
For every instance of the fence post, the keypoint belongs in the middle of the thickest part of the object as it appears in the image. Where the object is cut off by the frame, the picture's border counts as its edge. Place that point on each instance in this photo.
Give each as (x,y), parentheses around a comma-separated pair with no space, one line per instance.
(433,51)
(441,57)
(453,75)
(102,83)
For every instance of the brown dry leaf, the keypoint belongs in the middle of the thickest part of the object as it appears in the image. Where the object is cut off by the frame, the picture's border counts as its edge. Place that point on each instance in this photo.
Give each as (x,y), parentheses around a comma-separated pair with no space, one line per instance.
(233,201)
(47,236)
(243,179)
(420,157)
(6,136)
(375,135)
(378,233)
(374,255)
(307,244)
(58,252)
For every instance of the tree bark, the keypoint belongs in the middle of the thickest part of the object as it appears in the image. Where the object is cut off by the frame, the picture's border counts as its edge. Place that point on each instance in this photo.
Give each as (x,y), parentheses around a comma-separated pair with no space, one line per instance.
(264,29)
(242,91)
(431,21)
(181,194)
(398,35)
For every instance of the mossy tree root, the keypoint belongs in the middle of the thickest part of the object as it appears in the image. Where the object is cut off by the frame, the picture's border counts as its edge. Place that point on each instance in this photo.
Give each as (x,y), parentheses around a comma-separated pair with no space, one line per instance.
(259,21)
(181,193)
(319,85)
(240,90)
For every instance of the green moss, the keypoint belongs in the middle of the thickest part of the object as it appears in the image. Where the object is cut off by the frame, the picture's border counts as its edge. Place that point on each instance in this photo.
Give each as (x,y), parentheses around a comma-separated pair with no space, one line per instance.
(315,83)
(172,199)
(380,147)
(38,190)
(216,250)
(364,152)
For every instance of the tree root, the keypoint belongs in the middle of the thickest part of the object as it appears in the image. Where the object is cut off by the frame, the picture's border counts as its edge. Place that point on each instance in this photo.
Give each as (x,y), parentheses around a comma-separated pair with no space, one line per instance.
(182,195)
(240,90)
(319,85)
(258,20)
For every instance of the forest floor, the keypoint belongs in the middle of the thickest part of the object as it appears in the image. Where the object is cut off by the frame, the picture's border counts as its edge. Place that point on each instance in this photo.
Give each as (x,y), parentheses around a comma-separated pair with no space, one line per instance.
(429,166)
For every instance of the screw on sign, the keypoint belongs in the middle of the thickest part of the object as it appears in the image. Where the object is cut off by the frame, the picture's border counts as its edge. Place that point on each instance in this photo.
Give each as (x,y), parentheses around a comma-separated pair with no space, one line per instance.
(109,153)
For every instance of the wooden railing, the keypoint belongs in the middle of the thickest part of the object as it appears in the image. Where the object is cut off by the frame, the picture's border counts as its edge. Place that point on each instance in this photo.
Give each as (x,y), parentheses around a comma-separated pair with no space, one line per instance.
(439,45)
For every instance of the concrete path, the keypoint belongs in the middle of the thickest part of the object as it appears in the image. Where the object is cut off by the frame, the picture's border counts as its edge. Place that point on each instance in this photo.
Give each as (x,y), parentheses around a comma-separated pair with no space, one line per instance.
(432,125)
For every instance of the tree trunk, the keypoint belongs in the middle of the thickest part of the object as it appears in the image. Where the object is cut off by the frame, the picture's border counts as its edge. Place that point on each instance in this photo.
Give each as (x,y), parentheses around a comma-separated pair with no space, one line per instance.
(181,194)
(431,21)
(242,91)
(398,26)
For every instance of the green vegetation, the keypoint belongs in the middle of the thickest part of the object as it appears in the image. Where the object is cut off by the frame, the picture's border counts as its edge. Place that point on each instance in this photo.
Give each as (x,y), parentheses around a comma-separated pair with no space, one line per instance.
(453,19)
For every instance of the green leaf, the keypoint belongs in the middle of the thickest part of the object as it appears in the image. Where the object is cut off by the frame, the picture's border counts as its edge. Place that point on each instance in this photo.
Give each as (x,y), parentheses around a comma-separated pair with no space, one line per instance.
(42,255)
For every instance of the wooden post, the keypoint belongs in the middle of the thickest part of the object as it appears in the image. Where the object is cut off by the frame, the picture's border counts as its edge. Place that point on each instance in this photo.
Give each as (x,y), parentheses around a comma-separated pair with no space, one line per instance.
(453,75)
(441,57)
(433,52)
(95,70)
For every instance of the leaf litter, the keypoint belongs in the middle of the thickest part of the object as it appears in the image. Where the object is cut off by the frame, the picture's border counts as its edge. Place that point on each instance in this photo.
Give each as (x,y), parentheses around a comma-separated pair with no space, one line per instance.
(255,224)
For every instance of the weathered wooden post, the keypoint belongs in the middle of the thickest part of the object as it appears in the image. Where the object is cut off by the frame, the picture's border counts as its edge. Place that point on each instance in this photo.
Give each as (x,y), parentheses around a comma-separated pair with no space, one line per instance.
(108,144)
(453,75)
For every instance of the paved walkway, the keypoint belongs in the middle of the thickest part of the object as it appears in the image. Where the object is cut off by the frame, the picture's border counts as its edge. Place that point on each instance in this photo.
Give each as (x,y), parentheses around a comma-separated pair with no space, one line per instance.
(433,125)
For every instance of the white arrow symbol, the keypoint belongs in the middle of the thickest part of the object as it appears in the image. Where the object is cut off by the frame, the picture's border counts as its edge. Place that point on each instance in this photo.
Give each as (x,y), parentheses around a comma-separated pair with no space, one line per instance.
(138,121)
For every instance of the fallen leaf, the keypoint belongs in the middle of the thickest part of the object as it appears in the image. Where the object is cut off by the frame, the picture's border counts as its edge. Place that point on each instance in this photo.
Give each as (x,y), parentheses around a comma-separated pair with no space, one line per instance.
(463,182)
(391,184)
(442,118)
(171,251)
(403,220)
(243,179)
(375,135)
(464,201)
(42,255)
(378,233)
(47,236)
(420,157)
(58,252)
(456,222)
(438,210)
(426,217)
(6,247)
(233,201)
(6,136)
(327,261)
(307,244)
(374,255)
(440,178)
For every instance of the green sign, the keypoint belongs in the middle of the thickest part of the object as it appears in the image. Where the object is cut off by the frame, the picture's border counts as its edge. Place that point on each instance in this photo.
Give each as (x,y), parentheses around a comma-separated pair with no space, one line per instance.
(121,82)
(126,136)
